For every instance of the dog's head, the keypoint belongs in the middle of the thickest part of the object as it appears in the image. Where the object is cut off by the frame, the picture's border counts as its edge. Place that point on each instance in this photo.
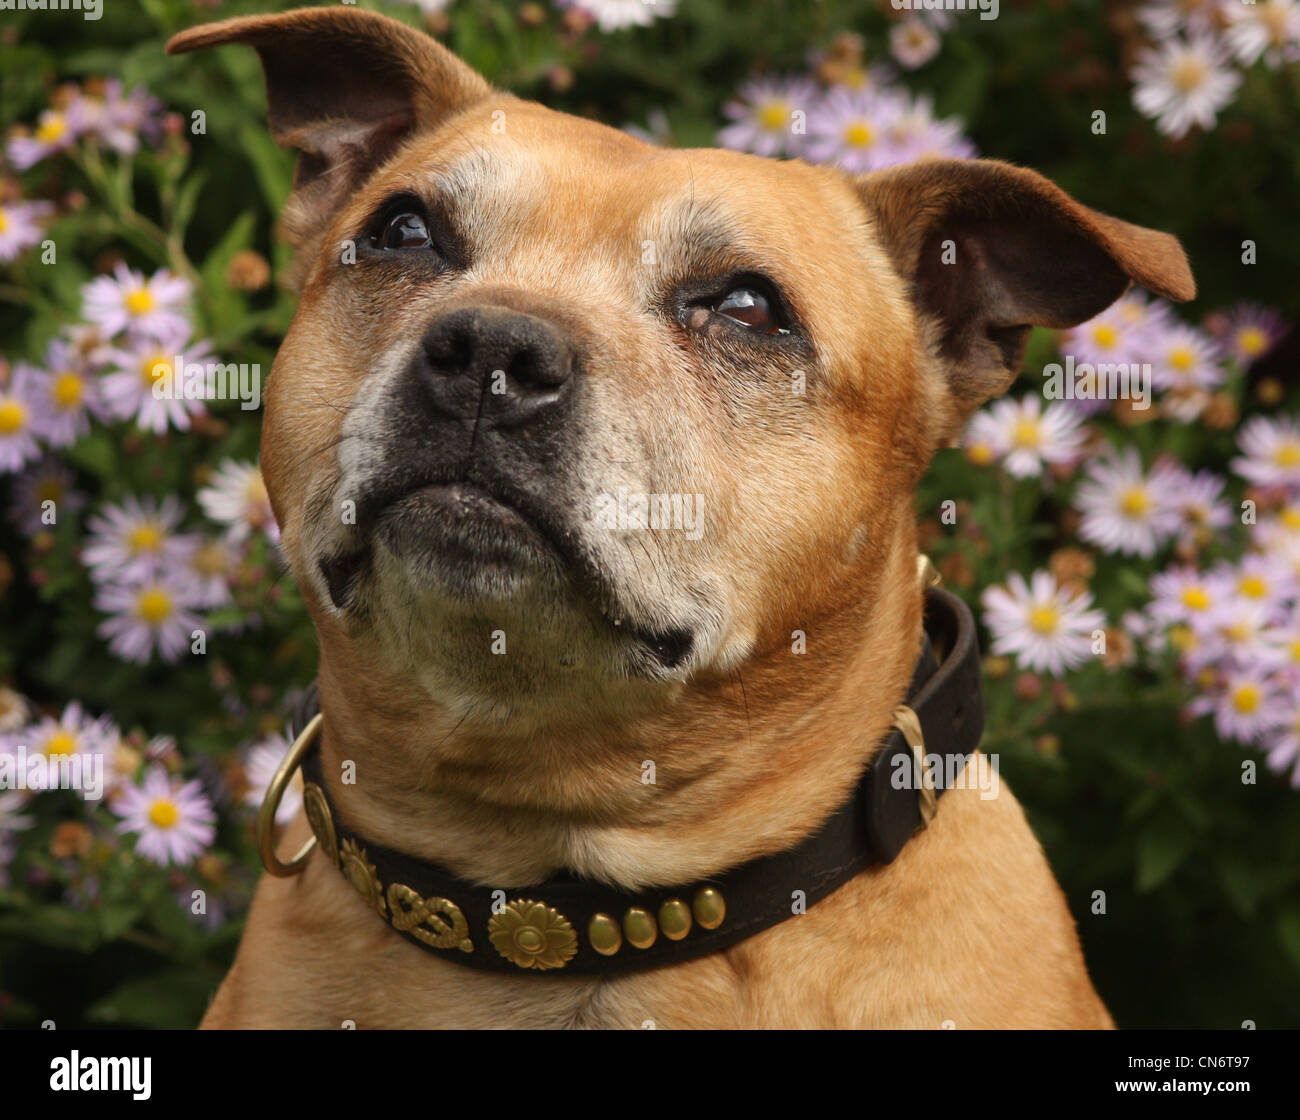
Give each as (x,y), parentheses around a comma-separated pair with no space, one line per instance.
(564,417)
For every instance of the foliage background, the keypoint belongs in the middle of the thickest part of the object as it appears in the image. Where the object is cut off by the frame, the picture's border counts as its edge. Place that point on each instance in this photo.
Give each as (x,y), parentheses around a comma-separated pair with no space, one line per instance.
(1201,872)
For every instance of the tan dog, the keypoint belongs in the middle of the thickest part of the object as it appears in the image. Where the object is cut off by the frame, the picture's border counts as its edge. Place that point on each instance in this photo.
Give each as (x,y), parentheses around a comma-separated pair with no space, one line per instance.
(506,314)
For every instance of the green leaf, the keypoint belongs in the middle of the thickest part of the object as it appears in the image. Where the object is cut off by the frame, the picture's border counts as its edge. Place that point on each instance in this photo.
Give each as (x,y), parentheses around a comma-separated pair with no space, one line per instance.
(1161,849)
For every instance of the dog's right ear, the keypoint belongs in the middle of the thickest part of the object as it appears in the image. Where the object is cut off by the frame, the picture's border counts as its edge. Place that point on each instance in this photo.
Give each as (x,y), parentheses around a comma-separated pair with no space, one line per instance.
(345,86)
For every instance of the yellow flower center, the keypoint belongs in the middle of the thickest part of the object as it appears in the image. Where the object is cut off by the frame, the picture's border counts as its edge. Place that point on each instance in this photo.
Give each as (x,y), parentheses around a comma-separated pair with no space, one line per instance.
(153,369)
(1236,632)
(163,814)
(1252,587)
(50,490)
(67,389)
(1105,335)
(981,454)
(859,134)
(1134,502)
(51,128)
(1025,433)
(1181,358)
(59,744)
(1252,341)
(1245,698)
(4,220)
(1196,598)
(1043,620)
(1291,517)
(1182,638)
(154,606)
(1189,75)
(773,116)
(144,538)
(13,416)
(140,301)
(1287,455)
(1294,649)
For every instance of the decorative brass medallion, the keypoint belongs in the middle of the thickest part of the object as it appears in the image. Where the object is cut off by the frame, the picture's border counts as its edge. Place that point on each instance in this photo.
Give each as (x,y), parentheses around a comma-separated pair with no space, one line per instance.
(362,875)
(409,912)
(318,816)
(533,935)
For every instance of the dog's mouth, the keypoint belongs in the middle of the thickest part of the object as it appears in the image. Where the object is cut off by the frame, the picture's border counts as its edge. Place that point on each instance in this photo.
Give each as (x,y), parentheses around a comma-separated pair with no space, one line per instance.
(476,537)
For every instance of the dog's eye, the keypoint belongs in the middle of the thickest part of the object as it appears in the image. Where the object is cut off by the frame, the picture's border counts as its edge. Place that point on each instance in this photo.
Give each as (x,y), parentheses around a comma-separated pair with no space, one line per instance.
(750,307)
(406,230)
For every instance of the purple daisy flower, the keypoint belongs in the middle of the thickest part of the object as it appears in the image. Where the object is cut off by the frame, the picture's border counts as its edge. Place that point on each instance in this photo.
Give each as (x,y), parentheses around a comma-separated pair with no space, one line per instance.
(128,301)
(153,615)
(136,540)
(20,226)
(22,414)
(73,395)
(47,480)
(764,118)
(174,821)
(144,382)
(851,128)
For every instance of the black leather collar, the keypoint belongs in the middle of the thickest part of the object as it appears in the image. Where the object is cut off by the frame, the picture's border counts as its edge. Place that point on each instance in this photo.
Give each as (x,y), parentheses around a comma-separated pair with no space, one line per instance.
(569,925)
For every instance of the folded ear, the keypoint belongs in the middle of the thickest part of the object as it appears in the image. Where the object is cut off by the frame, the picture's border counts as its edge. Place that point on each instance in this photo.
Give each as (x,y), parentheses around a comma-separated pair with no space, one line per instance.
(345,86)
(991,250)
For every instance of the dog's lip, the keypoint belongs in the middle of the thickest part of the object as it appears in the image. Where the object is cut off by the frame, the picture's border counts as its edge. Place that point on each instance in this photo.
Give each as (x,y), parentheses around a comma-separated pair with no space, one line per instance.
(467,498)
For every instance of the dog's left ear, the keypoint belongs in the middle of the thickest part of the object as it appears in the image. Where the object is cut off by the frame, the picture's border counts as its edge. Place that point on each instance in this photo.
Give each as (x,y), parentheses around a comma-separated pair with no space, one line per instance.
(345,86)
(990,250)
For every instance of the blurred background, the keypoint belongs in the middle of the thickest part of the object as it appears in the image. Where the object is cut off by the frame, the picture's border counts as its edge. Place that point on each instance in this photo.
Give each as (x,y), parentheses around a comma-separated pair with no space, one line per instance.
(138,201)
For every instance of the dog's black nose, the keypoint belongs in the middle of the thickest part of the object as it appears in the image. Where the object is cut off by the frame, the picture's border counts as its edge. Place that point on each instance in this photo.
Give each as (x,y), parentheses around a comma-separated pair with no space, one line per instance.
(496,365)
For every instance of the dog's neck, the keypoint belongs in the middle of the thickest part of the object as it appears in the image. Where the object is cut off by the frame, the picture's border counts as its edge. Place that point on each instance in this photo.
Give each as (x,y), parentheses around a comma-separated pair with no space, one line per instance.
(742,766)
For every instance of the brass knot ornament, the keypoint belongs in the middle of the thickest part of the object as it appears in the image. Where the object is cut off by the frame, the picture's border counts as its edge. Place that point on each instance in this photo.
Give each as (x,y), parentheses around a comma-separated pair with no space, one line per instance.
(533,935)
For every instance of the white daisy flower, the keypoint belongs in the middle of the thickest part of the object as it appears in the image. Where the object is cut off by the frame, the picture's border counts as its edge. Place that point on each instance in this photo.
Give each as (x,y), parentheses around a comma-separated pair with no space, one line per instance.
(175,820)
(1272,452)
(261,761)
(136,539)
(1045,627)
(1181,83)
(1124,509)
(157,614)
(1025,435)
(237,497)
(146,361)
(614,15)
(1268,29)
(127,301)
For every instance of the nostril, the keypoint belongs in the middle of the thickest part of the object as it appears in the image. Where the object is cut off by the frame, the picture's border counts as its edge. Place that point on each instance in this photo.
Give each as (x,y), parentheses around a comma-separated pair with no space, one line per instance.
(525,368)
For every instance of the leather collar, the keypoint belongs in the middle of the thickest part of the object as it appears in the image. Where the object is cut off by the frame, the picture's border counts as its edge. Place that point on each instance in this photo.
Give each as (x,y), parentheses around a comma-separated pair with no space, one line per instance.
(569,925)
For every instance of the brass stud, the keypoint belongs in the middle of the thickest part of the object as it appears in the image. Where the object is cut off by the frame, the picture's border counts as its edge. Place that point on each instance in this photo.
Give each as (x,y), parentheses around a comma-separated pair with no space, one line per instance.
(639,926)
(710,907)
(675,919)
(605,936)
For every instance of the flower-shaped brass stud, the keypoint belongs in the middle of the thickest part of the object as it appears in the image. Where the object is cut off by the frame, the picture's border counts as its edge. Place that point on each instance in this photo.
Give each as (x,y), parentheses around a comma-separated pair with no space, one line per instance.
(361,873)
(318,816)
(533,935)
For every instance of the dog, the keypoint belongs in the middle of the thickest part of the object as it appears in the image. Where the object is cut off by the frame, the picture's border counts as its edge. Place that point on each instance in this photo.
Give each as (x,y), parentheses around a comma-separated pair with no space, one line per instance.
(514,326)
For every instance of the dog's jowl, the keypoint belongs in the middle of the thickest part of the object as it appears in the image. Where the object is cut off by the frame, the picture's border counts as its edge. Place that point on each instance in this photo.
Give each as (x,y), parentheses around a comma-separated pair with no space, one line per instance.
(595,463)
